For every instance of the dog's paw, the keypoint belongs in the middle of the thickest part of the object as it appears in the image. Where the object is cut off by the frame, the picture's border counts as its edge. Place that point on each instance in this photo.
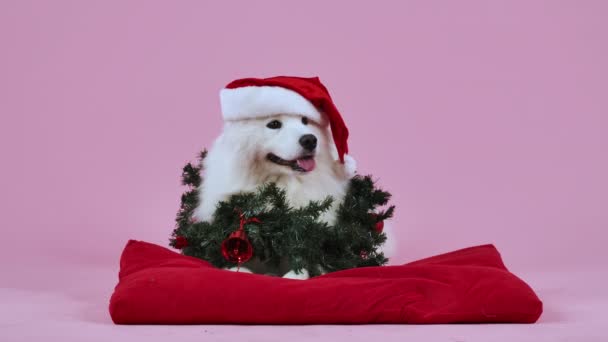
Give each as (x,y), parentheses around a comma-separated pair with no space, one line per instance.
(239,269)
(303,275)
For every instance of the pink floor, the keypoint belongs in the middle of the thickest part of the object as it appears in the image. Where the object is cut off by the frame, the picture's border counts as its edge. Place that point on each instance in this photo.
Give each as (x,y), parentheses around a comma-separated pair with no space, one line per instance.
(70,304)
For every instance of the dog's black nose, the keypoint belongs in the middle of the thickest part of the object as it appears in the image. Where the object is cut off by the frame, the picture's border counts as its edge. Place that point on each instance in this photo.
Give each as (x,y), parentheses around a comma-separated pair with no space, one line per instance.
(308,141)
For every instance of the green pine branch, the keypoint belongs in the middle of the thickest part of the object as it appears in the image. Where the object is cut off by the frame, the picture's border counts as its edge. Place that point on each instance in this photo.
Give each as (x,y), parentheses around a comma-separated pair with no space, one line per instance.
(295,233)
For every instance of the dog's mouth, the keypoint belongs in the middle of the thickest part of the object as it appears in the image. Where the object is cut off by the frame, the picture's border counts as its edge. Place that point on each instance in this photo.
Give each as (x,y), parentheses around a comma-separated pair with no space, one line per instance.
(305,163)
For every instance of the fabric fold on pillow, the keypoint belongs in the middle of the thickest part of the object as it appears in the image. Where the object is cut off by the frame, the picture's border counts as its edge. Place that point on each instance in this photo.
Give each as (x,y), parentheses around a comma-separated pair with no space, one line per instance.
(471,285)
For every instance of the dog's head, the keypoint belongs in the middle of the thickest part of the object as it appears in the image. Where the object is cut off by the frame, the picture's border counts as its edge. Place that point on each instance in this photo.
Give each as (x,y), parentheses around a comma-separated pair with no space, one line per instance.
(282,144)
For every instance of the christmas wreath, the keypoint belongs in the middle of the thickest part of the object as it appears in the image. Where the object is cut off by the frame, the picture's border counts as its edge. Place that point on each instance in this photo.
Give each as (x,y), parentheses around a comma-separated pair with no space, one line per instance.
(264,225)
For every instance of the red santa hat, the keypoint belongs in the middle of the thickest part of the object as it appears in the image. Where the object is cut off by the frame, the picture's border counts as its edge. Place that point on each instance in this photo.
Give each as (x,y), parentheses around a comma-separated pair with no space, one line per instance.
(260,97)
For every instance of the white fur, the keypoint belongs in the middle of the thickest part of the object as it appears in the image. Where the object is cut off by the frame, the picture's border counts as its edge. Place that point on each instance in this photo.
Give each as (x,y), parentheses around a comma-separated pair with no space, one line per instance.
(389,248)
(299,276)
(255,102)
(237,163)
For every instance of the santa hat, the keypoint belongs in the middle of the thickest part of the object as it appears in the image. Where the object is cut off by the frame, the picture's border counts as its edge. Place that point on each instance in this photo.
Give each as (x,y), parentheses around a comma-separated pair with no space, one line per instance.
(260,97)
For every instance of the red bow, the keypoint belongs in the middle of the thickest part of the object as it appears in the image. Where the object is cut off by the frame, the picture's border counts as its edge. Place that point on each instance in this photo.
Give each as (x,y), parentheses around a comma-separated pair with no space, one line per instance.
(244,220)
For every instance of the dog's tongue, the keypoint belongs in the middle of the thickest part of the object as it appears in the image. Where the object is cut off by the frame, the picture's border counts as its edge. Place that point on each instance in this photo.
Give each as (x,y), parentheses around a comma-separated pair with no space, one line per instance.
(308,164)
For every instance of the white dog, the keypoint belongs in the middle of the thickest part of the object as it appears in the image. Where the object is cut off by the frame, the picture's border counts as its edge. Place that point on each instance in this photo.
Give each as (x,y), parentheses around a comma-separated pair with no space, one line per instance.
(290,150)
(286,130)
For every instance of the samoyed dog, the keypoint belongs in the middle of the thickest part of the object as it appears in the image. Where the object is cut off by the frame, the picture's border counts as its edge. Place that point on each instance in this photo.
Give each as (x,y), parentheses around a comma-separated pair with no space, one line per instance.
(290,150)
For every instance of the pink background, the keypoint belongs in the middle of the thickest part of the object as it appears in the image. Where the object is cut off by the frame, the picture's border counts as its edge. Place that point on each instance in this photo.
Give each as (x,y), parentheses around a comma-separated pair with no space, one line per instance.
(487,120)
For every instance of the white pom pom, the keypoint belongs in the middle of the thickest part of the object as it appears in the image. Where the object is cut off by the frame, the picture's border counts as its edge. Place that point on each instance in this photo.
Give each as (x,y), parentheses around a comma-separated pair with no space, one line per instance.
(350,166)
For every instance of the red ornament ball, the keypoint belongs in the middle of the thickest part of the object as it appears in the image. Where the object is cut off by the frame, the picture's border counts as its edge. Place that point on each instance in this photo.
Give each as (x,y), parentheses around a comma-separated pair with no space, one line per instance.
(180,242)
(379,226)
(237,248)
(363,254)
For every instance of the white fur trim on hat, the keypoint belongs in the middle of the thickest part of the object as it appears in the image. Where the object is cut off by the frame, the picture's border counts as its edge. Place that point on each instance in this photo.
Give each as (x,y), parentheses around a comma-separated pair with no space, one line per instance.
(255,102)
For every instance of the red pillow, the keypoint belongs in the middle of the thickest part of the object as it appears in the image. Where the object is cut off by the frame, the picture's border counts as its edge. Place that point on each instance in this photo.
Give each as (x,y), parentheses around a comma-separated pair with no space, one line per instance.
(472,285)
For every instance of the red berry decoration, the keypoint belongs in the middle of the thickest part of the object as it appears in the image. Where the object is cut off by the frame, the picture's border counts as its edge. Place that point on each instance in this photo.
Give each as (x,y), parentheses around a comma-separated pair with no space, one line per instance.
(379,226)
(237,248)
(180,242)
(363,254)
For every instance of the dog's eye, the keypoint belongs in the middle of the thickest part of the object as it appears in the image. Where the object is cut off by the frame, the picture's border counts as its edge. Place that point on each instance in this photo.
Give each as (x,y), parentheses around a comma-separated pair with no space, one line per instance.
(274,124)
(305,120)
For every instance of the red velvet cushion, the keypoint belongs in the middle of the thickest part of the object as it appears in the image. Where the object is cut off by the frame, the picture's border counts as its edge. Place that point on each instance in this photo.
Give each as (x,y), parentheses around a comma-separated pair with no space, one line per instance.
(472,285)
